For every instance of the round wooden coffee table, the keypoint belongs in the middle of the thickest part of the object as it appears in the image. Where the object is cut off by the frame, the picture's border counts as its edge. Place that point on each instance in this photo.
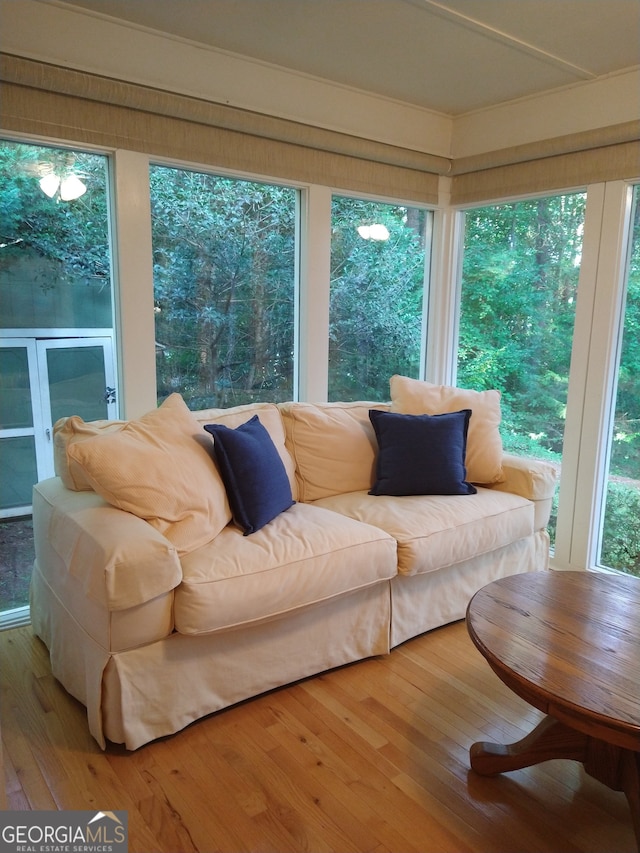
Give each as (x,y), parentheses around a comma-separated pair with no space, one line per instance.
(569,644)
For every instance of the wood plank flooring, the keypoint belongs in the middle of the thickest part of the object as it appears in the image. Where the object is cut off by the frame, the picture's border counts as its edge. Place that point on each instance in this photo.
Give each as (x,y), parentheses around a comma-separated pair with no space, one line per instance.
(370,758)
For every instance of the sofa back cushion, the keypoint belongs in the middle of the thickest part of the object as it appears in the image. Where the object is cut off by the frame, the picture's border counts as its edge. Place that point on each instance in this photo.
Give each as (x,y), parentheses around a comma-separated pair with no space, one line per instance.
(333,445)
(66,432)
(271,420)
(484,444)
(160,468)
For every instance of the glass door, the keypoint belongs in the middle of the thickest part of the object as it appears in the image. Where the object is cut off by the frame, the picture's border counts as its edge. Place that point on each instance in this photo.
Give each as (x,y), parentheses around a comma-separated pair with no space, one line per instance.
(76,377)
(41,381)
(22,455)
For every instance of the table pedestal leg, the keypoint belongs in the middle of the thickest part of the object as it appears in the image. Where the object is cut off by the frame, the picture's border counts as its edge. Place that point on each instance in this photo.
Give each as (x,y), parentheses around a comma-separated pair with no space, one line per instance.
(614,766)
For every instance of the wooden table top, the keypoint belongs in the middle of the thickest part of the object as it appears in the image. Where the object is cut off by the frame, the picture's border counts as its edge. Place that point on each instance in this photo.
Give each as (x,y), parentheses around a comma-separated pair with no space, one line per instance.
(569,644)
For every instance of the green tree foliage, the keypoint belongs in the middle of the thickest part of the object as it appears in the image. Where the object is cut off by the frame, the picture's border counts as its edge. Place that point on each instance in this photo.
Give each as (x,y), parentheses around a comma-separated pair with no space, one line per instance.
(625,453)
(520,276)
(377,291)
(71,236)
(620,547)
(224,282)
(621,533)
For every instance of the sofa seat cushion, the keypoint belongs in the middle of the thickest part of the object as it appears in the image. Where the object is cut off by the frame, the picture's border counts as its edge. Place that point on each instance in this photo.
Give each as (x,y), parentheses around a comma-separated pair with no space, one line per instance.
(435,531)
(304,556)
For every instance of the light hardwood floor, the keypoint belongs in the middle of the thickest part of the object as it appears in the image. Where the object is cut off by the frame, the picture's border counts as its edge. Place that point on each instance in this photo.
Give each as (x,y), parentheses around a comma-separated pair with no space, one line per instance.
(371,757)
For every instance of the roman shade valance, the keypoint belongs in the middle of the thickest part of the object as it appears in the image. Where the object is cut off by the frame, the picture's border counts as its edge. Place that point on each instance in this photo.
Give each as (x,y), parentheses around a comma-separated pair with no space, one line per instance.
(604,154)
(66,104)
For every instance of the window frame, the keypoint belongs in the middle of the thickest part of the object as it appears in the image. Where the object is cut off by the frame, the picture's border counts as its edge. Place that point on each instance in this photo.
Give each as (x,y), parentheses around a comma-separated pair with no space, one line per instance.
(593,410)
(19,616)
(593,367)
(429,266)
(296,208)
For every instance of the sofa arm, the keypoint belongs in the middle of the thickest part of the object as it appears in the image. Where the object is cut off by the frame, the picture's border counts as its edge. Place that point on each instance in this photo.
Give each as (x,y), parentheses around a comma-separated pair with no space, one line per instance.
(119,560)
(532,479)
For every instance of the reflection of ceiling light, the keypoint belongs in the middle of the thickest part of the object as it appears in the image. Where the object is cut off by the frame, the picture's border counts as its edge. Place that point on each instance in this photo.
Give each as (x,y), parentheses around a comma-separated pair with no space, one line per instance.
(373,232)
(49,184)
(71,187)
(379,232)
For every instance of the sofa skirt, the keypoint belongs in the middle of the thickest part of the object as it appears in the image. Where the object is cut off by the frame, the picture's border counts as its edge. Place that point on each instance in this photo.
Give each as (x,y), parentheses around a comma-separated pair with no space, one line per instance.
(141,694)
(422,602)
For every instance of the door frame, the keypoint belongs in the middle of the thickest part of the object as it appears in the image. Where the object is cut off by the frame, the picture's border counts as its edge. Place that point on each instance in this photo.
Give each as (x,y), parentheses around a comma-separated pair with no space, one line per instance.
(37,426)
(37,342)
(43,345)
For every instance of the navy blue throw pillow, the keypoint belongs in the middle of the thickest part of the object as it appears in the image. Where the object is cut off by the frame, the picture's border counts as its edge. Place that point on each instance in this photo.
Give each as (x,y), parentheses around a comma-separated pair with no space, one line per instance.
(421,454)
(253,473)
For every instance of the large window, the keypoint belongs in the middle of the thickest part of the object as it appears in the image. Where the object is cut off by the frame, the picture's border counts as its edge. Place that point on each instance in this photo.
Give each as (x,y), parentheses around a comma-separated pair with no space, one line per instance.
(519,288)
(56,323)
(620,542)
(378,254)
(224,256)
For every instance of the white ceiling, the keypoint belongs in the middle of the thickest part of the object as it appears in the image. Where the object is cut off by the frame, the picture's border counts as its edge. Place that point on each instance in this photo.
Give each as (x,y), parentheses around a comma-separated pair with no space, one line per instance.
(452,56)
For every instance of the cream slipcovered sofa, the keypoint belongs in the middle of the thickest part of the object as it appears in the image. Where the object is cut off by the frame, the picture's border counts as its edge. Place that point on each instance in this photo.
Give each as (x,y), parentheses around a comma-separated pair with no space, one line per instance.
(156,607)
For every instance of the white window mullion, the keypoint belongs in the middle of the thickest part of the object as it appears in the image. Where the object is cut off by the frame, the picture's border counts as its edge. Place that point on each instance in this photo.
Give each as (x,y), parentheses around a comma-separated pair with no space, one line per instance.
(593,375)
(444,297)
(602,373)
(133,266)
(315,274)
(577,391)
